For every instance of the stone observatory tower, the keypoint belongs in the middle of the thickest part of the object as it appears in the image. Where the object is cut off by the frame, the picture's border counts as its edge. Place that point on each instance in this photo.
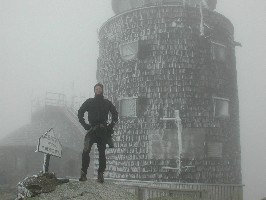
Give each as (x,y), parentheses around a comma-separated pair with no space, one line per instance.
(170,68)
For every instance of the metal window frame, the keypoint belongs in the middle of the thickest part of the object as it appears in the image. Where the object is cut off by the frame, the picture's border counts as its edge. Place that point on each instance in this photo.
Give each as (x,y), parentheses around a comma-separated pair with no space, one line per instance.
(214,98)
(213,44)
(128,98)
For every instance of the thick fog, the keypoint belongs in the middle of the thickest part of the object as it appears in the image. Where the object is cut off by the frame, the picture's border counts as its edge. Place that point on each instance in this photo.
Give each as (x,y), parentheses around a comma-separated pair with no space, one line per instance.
(51,45)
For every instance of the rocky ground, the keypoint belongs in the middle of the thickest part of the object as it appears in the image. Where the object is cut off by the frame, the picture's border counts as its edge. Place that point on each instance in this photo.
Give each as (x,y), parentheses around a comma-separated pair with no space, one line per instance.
(86,190)
(89,190)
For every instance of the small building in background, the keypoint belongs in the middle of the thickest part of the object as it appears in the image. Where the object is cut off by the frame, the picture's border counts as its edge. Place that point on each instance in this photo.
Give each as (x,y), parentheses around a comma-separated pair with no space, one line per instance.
(18,158)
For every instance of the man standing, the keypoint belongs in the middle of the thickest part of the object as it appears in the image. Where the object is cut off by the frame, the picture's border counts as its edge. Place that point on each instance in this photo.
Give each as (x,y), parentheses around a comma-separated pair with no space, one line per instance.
(97,129)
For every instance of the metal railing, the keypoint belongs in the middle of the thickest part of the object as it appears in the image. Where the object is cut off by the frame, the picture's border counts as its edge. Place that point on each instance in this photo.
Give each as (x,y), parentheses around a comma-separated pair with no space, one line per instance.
(199,191)
(59,100)
(55,99)
(72,116)
(149,193)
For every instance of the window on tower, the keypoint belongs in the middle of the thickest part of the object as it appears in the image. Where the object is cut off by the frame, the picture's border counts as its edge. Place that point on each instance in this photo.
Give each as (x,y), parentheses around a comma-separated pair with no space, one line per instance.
(128,107)
(214,150)
(129,50)
(131,106)
(218,52)
(221,107)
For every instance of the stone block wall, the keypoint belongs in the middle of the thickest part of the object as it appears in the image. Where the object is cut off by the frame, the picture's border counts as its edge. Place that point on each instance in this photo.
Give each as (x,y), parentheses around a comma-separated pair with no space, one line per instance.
(159,59)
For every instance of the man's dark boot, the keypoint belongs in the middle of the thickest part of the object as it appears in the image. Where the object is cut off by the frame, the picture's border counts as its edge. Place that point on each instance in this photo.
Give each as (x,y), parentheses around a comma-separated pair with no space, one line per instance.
(82,176)
(100,178)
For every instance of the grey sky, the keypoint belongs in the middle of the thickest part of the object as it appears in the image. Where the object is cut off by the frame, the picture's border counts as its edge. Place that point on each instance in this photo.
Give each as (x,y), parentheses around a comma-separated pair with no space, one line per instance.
(46,45)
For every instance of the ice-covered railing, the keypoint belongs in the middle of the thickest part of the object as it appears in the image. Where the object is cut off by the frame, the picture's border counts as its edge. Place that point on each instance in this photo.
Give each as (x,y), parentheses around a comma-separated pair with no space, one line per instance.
(55,99)
(193,191)
(71,113)
(70,109)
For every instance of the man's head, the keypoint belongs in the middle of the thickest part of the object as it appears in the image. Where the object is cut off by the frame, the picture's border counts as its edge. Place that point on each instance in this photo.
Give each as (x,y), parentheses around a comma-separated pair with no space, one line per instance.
(98,89)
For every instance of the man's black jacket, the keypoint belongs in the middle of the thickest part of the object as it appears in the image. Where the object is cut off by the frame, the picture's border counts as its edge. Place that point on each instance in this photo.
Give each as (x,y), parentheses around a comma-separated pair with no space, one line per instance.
(98,109)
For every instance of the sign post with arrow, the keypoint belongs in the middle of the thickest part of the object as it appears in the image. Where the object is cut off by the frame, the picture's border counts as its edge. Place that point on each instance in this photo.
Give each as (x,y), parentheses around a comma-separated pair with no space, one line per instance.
(49,144)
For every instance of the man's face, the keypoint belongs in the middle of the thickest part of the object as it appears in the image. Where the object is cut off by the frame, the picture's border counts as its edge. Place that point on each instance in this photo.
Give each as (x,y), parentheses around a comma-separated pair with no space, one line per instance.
(98,90)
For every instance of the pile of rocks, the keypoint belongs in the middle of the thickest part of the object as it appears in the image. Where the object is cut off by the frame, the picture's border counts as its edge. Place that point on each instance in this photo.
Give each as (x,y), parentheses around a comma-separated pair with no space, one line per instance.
(38,184)
(47,187)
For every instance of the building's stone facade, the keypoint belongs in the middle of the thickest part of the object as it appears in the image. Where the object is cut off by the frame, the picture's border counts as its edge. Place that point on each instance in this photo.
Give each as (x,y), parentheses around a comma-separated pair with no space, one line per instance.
(160,59)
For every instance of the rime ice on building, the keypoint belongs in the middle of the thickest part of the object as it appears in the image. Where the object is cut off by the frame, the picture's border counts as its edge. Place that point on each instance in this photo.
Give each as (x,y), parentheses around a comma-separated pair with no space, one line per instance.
(164,59)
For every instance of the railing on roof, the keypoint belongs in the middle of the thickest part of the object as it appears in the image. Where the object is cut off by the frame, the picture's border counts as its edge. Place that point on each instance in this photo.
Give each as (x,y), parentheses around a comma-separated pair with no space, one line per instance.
(55,99)
(60,100)
(71,113)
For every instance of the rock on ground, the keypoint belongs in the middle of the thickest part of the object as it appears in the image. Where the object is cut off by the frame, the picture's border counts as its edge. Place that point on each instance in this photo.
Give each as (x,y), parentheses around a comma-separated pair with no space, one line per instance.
(89,189)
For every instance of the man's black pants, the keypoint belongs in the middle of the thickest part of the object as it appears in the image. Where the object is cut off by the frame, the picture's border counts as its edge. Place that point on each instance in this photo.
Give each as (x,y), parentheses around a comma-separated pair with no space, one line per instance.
(96,134)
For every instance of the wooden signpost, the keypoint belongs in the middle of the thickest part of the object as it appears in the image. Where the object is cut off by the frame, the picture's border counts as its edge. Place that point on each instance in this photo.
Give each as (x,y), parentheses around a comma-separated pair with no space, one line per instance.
(49,144)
